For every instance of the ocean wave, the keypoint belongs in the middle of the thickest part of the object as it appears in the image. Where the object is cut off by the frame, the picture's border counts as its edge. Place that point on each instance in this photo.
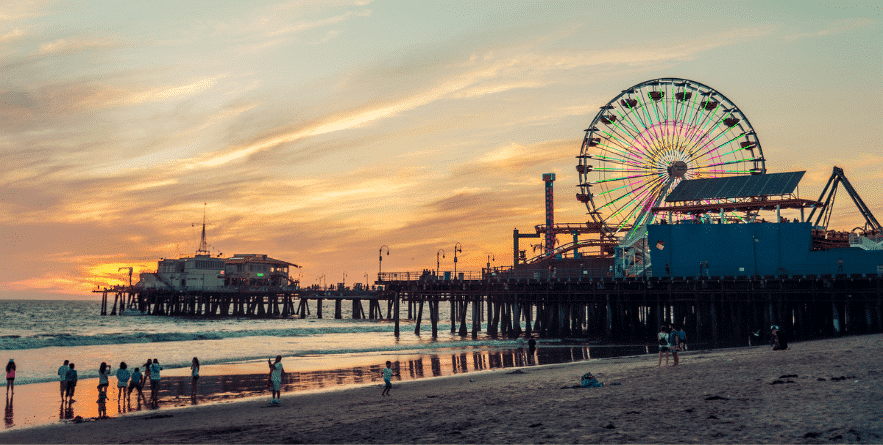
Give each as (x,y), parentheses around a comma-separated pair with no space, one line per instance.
(15,342)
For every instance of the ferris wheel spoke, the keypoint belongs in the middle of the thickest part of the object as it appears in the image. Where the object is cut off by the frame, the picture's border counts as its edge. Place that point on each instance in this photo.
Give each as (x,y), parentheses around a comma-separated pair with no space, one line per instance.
(617,161)
(623,118)
(621,138)
(643,200)
(650,130)
(685,110)
(623,178)
(632,195)
(713,141)
(709,132)
(718,156)
(622,151)
(729,162)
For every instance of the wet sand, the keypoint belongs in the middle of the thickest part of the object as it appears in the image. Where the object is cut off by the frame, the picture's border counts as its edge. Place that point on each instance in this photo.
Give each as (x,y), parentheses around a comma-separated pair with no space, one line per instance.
(826,391)
(40,404)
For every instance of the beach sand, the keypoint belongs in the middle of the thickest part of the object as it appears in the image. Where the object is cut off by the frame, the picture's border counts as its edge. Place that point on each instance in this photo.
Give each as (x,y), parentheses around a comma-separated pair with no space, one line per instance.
(826,391)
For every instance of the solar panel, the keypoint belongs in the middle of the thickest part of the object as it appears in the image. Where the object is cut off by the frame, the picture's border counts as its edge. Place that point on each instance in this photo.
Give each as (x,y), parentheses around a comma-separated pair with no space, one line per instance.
(736,187)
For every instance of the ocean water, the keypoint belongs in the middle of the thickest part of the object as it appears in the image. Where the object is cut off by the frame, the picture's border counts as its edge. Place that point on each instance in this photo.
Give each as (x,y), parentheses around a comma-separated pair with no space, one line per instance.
(41,334)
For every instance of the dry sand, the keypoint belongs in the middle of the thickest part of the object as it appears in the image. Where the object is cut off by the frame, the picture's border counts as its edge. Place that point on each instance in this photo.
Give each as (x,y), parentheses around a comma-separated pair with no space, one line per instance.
(741,395)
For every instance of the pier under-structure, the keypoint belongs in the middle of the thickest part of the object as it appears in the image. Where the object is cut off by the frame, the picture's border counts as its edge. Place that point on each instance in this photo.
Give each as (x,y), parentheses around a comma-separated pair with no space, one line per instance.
(717,311)
(265,303)
(714,311)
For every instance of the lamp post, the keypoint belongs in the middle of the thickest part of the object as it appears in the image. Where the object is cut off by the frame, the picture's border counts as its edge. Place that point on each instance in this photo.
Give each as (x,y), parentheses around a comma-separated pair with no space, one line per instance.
(344,281)
(366,280)
(490,257)
(754,245)
(457,248)
(380,260)
(437,263)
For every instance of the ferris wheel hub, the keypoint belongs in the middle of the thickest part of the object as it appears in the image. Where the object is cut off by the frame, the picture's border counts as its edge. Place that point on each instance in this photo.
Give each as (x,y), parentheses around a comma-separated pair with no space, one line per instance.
(677,169)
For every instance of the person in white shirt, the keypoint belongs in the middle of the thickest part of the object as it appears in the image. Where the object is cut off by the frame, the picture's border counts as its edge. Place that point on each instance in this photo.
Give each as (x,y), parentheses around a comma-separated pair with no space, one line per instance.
(62,378)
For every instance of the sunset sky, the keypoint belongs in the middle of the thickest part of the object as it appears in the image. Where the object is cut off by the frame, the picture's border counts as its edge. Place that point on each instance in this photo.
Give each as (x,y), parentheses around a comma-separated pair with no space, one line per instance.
(318,131)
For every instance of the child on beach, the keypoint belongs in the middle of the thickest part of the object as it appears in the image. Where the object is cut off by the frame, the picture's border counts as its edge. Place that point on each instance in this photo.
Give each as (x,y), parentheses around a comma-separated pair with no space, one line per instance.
(387,379)
(276,378)
(62,378)
(71,383)
(102,402)
(663,345)
(194,373)
(136,383)
(123,375)
(10,376)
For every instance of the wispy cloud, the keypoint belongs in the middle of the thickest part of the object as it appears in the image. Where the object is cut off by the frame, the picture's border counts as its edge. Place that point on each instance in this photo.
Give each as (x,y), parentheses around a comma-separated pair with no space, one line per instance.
(11,35)
(68,45)
(838,27)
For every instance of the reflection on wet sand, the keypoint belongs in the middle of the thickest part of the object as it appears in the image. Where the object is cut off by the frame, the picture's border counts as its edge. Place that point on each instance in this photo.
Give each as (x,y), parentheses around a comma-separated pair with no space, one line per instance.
(9,416)
(175,390)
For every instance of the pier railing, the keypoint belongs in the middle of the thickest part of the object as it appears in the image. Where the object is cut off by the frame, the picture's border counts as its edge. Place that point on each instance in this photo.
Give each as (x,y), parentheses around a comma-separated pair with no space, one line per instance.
(507,273)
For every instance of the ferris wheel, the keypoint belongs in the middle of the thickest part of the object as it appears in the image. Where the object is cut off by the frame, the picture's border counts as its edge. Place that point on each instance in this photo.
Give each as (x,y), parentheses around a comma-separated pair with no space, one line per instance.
(652,136)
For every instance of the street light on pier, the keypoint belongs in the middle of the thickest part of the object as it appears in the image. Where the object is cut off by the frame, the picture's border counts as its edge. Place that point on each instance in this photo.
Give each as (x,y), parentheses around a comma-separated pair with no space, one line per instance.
(437,264)
(366,280)
(490,257)
(457,248)
(380,260)
(754,245)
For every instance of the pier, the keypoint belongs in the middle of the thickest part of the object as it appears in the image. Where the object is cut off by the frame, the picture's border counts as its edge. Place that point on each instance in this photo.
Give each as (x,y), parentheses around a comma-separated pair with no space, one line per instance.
(716,310)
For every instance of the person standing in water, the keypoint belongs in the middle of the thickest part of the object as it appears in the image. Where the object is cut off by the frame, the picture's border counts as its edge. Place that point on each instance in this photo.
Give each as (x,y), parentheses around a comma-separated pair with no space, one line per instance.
(155,368)
(62,378)
(123,375)
(194,373)
(10,377)
(71,383)
(276,371)
(103,374)
(136,383)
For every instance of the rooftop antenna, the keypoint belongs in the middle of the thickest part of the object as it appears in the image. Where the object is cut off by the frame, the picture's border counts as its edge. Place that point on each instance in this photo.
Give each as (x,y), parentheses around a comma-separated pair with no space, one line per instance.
(203,246)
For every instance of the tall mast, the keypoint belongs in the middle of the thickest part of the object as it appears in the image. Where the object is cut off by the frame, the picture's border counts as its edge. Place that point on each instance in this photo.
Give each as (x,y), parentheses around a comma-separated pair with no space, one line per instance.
(203,246)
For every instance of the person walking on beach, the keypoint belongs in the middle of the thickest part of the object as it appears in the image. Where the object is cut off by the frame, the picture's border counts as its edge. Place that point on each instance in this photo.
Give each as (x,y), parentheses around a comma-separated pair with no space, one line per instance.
(387,379)
(780,341)
(194,373)
(71,383)
(136,383)
(673,343)
(276,378)
(682,338)
(10,377)
(155,368)
(62,378)
(103,374)
(123,375)
(663,345)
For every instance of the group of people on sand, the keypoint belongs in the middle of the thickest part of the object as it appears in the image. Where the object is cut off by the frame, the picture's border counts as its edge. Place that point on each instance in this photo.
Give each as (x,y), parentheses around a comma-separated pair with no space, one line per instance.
(127,382)
(671,340)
